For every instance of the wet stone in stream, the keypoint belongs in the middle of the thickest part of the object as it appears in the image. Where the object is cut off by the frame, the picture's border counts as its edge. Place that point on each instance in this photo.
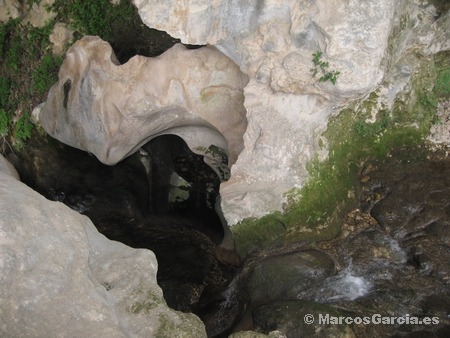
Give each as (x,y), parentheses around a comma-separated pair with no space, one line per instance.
(392,259)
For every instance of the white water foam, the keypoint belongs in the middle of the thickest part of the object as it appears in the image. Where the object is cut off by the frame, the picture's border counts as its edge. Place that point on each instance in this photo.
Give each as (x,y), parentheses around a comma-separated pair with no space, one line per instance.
(346,285)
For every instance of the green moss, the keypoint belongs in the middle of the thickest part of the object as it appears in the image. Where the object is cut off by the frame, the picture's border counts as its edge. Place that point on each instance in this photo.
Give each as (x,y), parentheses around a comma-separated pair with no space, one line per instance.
(253,234)
(166,327)
(147,301)
(364,131)
(442,87)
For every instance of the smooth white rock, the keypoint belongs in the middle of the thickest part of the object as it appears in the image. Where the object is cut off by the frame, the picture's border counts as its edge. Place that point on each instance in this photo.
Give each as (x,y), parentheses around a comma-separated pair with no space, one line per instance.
(60,277)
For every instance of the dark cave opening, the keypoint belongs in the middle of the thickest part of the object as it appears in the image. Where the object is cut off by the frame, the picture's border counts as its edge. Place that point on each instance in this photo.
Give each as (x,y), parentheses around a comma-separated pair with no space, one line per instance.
(139,39)
(160,198)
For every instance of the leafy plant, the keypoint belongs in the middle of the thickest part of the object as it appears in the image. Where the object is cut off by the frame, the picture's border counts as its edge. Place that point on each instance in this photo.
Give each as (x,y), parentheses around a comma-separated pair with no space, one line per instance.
(23,128)
(321,65)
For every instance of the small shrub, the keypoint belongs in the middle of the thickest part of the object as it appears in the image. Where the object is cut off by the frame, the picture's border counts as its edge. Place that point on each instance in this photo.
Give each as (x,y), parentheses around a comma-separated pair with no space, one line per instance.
(327,75)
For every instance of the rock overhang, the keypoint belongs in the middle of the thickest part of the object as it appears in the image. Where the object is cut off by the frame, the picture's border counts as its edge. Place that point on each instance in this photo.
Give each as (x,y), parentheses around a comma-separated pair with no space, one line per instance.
(111,110)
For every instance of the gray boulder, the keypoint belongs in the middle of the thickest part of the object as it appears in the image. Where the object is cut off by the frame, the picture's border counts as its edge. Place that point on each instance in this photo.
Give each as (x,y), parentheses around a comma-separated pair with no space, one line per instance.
(61,277)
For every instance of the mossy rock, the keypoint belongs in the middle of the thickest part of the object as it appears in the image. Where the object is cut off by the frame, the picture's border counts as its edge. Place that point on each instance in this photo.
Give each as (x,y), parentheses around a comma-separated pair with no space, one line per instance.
(365,130)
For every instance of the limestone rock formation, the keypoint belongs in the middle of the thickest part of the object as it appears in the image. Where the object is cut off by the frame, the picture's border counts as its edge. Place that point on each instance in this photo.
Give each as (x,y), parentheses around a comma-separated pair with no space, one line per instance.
(8,168)
(111,110)
(37,13)
(61,277)
(60,37)
(287,109)
(34,12)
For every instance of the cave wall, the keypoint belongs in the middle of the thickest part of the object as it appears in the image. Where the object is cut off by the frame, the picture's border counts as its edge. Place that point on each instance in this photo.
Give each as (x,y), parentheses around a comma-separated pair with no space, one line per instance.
(253,93)
(272,41)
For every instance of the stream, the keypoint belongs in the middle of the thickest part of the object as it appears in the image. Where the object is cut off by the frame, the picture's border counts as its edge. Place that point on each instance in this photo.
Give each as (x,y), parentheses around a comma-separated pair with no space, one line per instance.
(391,257)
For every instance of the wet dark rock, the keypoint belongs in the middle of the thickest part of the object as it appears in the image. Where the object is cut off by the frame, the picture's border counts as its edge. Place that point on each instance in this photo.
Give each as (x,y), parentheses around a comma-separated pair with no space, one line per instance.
(287,276)
(405,256)
(419,198)
(391,259)
(220,311)
(443,332)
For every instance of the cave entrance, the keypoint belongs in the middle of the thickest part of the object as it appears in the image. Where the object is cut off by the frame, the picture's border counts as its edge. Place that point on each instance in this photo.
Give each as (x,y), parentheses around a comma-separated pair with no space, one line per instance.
(180,182)
(160,198)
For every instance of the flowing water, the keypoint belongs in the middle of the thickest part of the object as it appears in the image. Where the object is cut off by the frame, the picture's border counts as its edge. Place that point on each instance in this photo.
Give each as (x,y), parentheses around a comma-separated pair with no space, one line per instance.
(391,258)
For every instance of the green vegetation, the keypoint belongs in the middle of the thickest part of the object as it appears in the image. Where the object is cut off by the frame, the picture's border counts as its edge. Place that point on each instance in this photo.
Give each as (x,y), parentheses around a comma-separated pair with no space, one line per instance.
(167,326)
(43,76)
(99,17)
(119,24)
(253,234)
(443,82)
(28,68)
(23,129)
(327,75)
(4,123)
(366,130)
(442,86)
